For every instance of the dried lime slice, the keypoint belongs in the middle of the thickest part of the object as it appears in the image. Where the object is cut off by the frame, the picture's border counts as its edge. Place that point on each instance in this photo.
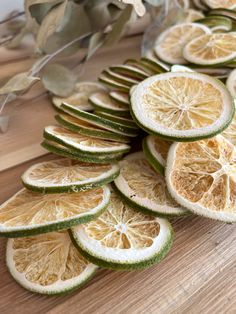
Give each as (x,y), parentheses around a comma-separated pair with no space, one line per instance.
(231,83)
(48,263)
(83,143)
(223,4)
(64,151)
(65,175)
(103,102)
(170,44)
(85,128)
(120,97)
(155,150)
(79,98)
(182,106)
(145,189)
(201,177)
(123,238)
(212,49)
(29,213)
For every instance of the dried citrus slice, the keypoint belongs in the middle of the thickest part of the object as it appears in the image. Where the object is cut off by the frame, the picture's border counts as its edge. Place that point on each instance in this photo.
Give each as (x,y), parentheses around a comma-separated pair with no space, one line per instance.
(48,263)
(85,128)
(169,45)
(191,15)
(28,213)
(230,132)
(201,177)
(64,151)
(113,83)
(103,102)
(79,98)
(231,83)
(211,49)
(145,189)
(217,23)
(182,106)
(156,150)
(126,121)
(120,97)
(107,124)
(65,175)
(223,4)
(130,70)
(83,143)
(123,79)
(123,238)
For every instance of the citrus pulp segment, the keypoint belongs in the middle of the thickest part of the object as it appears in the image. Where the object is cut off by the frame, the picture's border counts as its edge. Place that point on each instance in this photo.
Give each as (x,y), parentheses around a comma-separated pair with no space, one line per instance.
(29,213)
(123,238)
(201,177)
(145,189)
(182,106)
(65,175)
(170,44)
(211,49)
(48,263)
(83,143)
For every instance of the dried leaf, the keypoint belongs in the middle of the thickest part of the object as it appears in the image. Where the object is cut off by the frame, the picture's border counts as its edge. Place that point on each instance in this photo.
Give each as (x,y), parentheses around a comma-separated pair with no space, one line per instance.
(17,83)
(76,23)
(15,42)
(115,34)
(58,80)
(95,43)
(155,3)
(50,24)
(4,122)
(138,6)
(40,8)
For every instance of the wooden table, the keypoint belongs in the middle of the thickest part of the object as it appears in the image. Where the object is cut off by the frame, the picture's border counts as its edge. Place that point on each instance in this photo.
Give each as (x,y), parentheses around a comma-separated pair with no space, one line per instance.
(198,276)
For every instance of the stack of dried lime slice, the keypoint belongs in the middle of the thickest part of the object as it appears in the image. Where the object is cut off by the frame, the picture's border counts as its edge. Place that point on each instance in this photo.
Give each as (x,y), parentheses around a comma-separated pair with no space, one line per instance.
(87,210)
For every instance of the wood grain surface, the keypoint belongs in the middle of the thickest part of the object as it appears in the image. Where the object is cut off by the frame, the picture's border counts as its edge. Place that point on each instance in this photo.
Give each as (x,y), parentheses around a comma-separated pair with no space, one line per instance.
(198,275)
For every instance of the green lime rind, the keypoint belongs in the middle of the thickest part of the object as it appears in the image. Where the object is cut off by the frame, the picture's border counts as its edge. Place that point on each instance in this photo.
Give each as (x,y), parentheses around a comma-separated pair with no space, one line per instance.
(16,232)
(99,133)
(142,66)
(101,122)
(188,138)
(156,165)
(73,187)
(68,153)
(95,259)
(51,137)
(58,292)
(121,113)
(121,120)
(153,65)
(223,12)
(213,21)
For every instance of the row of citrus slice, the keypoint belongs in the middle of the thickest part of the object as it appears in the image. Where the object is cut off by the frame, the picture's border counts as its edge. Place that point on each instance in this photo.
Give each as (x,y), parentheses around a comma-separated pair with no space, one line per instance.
(119,226)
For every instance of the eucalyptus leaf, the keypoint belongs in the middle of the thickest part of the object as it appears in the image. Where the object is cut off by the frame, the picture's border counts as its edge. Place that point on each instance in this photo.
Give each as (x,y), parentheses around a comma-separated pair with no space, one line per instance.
(118,27)
(58,79)
(99,14)
(95,43)
(76,23)
(50,24)
(17,83)
(40,8)
(16,40)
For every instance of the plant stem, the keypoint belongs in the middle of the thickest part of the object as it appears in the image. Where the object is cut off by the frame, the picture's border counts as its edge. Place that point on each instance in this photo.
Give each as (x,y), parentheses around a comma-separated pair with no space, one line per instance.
(12,17)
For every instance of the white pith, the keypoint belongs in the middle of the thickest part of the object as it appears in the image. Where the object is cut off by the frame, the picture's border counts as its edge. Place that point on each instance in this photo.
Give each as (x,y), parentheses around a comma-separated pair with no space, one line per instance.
(231,83)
